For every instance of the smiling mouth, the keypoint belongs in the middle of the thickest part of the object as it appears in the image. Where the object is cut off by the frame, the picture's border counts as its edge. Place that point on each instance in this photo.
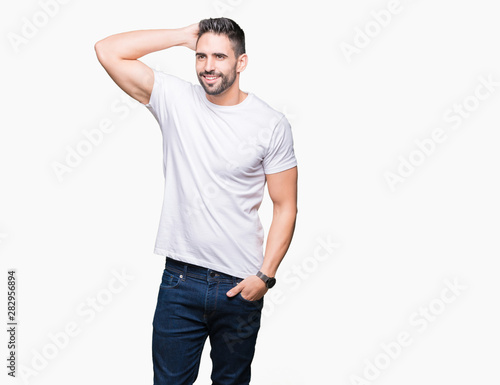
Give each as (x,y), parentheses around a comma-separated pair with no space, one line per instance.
(210,78)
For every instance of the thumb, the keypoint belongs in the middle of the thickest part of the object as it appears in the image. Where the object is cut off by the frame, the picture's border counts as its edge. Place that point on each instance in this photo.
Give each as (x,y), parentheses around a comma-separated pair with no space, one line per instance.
(235,290)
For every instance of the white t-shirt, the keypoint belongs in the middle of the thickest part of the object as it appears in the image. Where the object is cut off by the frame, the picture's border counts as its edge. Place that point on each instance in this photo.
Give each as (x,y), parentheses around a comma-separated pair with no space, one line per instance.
(214,161)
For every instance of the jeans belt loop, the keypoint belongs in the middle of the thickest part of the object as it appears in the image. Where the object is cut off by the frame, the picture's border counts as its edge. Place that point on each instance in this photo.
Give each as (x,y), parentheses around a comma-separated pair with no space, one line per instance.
(185,271)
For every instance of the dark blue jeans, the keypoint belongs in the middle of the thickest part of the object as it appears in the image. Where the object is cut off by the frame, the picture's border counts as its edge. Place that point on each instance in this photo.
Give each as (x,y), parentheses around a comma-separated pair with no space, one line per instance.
(193,305)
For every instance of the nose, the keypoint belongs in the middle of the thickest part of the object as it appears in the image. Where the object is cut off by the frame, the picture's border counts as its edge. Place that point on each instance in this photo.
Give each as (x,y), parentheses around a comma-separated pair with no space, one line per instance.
(209,64)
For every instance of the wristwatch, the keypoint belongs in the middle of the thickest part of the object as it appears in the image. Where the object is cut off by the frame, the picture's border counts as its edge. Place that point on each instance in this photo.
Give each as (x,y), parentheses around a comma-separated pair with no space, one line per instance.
(269,281)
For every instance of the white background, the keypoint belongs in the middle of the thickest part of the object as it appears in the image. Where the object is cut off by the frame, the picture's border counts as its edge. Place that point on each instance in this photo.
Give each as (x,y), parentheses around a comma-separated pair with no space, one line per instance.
(354,119)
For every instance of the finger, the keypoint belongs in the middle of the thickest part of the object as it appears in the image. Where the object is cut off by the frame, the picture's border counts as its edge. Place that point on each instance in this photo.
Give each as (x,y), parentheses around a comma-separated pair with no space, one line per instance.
(235,290)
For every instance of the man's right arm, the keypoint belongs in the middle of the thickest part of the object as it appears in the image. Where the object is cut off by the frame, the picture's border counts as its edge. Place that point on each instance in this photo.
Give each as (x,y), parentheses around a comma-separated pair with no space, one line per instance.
(118,55)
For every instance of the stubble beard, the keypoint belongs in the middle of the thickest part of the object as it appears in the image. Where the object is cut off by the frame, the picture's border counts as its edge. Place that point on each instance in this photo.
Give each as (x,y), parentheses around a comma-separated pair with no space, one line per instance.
(225,82)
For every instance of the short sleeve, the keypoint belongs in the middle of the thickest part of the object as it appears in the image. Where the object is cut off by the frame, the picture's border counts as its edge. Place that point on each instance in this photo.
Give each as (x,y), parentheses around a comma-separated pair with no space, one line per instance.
(280,154)
(167,89)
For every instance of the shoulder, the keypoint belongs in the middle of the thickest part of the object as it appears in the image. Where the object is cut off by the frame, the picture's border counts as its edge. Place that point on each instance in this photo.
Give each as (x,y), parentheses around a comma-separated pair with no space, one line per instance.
(164,79)
(269,114)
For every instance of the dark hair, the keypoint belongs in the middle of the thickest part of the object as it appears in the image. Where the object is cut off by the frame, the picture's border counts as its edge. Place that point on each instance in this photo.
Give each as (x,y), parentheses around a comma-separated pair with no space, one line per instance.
(225,26)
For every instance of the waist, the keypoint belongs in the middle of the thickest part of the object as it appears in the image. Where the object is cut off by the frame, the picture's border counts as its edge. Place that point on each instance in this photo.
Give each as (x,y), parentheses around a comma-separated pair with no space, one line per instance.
(200,272)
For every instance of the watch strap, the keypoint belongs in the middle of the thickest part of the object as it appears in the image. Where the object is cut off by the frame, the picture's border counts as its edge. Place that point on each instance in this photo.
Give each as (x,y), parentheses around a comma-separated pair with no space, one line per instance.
(269,281)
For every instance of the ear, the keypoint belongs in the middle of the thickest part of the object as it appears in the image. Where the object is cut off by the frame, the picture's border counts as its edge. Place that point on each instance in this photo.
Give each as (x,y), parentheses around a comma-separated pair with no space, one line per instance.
(242,62)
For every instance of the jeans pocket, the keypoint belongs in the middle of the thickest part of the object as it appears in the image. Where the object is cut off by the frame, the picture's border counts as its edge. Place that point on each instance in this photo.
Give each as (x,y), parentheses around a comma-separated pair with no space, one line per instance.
(247,300)
(170,279)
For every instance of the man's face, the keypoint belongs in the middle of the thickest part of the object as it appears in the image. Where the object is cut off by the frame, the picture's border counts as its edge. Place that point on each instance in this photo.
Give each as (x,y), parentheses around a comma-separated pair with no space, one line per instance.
(216,64)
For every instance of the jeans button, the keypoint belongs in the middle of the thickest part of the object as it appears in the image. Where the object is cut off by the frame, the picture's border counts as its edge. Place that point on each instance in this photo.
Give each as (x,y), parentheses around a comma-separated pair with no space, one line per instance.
(212,274)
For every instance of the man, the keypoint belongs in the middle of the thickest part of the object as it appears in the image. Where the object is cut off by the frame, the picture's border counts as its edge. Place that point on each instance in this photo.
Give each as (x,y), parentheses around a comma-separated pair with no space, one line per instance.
(221,145)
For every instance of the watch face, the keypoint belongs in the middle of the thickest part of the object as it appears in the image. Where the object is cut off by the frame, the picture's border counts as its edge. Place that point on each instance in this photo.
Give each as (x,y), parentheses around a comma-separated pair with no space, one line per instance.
(271,282)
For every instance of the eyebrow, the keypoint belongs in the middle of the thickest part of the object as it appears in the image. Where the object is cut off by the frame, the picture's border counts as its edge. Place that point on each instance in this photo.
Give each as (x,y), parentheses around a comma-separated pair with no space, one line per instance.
(214,54)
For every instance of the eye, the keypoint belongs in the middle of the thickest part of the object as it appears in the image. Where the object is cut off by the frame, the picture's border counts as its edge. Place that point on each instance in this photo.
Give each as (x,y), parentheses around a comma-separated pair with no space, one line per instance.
(220,57)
